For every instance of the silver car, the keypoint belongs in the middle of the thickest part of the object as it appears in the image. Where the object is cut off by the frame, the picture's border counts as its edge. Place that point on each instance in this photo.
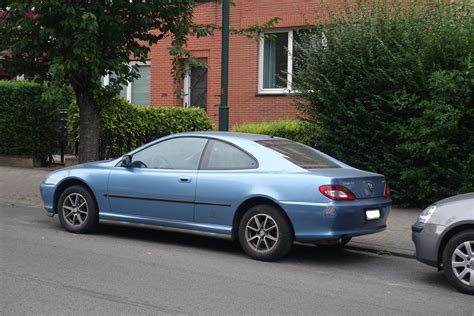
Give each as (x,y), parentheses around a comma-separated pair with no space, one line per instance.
(444,238)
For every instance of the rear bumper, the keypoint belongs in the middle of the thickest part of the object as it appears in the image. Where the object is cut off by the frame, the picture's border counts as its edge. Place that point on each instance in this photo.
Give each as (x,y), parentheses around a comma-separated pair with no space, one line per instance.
(47,194)
(426,240)
(321,221)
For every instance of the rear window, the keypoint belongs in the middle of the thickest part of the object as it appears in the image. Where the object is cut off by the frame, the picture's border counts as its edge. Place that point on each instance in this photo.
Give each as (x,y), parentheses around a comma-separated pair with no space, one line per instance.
(299,154)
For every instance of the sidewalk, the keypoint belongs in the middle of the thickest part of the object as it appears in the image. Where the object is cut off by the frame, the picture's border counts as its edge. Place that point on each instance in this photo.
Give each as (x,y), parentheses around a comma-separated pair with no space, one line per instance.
(22,184)
(396,239)
(18,185)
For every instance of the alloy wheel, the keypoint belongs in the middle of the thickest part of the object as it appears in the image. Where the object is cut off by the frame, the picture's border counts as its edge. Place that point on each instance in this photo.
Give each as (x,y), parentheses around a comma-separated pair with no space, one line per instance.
(462,262)
(261,233)
(75,209)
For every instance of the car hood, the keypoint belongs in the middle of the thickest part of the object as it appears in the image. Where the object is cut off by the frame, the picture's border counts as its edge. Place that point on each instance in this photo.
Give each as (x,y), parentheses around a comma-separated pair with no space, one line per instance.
(95,164)
(467,197)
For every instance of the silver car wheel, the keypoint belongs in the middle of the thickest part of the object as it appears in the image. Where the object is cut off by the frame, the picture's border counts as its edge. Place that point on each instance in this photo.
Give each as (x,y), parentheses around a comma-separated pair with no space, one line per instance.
(261,233)
(462,262)
(75,209)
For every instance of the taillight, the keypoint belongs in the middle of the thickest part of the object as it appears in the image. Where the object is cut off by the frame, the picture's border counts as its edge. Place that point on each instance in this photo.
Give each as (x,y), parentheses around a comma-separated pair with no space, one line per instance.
(337,192)
(386,190)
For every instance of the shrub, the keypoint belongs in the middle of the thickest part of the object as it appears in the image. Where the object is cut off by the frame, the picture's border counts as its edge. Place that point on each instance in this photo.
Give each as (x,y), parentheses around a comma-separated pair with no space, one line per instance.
(392,88)
(296,130)
(28,122)
(127,126)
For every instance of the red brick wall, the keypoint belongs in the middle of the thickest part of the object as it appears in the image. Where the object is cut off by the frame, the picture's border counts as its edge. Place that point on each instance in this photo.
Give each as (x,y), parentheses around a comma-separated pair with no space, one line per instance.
(244,103)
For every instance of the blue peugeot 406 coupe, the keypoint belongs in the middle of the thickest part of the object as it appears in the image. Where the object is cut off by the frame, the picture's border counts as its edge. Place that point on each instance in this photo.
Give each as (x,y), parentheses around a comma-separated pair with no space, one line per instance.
(263,191)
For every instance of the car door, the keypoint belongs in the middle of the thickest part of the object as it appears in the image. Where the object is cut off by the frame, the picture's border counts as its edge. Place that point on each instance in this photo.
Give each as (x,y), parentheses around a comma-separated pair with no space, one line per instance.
(160,183)
(223,180)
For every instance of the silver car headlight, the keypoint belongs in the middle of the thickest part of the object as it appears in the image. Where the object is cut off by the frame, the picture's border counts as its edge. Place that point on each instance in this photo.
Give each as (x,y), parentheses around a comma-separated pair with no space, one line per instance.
(426,214)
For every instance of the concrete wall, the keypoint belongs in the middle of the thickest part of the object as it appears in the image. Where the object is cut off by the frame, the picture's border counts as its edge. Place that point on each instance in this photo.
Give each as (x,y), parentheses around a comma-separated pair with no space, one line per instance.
(21,162)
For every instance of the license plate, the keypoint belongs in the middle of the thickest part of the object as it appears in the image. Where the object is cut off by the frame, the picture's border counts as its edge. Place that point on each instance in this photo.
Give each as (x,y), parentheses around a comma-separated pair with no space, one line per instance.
(372,214)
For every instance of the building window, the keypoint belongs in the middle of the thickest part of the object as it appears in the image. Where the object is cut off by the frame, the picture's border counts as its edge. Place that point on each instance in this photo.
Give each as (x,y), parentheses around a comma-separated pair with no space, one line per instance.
(275,60)
(195,84)
(137,91)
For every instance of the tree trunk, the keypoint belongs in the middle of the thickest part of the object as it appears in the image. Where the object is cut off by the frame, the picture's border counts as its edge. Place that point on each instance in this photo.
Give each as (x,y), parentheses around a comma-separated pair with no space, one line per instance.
(90,125)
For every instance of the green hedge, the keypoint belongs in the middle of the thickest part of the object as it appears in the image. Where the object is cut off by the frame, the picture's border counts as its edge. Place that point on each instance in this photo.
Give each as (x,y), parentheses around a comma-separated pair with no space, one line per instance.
(28,122)
(127,126)
(296,130)
(392,89)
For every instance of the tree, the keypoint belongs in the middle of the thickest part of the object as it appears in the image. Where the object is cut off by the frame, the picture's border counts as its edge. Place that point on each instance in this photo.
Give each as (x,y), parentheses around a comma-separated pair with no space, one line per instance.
(392,84)
(80,41)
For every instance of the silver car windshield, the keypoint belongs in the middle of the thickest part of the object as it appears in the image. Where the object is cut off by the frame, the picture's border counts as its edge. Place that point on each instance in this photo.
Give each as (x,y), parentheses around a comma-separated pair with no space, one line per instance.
(299,154)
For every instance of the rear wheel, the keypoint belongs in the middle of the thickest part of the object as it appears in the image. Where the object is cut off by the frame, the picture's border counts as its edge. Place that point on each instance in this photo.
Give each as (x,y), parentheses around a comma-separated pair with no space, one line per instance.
(265,234)
(458,261)
(77,210)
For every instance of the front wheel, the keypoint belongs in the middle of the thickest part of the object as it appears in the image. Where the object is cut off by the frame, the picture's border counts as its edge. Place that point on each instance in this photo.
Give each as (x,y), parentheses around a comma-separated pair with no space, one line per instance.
(265,233)
(458,261)
(77,210)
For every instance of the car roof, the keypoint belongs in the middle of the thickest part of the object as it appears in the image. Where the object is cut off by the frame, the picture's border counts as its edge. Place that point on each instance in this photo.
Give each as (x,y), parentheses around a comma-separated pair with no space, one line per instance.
(266,157)
(230,135)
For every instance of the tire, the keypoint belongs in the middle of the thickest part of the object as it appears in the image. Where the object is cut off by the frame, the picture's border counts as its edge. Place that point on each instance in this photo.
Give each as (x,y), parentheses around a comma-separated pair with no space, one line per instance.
(265,234)
(462,276)
(77,210)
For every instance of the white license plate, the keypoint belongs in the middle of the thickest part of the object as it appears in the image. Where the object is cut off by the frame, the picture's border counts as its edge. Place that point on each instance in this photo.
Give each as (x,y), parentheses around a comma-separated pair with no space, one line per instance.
(372,214)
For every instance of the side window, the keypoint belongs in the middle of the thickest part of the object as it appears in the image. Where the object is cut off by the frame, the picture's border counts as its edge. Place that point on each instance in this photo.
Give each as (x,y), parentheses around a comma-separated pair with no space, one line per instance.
(177,153)
(222,156)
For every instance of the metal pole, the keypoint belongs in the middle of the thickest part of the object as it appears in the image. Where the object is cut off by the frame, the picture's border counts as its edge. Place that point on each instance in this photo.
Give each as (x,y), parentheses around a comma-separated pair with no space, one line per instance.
(62,152)
(223,108)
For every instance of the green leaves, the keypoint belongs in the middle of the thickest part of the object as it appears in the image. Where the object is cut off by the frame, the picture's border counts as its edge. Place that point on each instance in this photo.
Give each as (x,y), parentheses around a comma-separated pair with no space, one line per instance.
(127,126)
(296,130)
(393,93)
(89,22)
(79,42)
(28,121)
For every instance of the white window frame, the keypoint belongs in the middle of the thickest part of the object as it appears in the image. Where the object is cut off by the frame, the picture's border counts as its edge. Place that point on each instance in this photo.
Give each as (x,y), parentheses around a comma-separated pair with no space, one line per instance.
(129,83)
(261,89)
(187,85)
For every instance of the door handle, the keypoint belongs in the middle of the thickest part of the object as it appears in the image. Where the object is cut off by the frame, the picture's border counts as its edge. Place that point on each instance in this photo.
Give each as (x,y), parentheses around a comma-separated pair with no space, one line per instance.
(185,179)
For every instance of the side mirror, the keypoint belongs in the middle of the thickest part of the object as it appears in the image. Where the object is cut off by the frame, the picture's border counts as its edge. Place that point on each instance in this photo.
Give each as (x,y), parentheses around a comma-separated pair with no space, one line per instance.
(126,160)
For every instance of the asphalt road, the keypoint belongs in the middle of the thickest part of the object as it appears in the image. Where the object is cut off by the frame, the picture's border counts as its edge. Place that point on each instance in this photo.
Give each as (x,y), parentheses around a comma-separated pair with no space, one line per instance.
(124,270)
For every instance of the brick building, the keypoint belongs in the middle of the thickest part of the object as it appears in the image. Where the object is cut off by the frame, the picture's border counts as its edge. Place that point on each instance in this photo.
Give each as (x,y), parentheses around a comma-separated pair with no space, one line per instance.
(257,91)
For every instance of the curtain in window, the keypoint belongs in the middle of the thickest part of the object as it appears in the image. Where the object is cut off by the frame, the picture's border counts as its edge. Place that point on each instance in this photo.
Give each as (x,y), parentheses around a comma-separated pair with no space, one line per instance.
(269,63)
(141,86)
(275,60)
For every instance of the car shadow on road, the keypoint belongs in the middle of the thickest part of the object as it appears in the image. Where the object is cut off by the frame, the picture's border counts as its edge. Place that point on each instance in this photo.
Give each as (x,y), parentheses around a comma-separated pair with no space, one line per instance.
(434,278)
(300,253)
(307,253)
(160,236)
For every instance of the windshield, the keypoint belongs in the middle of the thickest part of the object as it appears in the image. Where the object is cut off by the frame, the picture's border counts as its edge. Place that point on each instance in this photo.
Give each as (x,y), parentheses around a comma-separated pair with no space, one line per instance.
(299,154)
